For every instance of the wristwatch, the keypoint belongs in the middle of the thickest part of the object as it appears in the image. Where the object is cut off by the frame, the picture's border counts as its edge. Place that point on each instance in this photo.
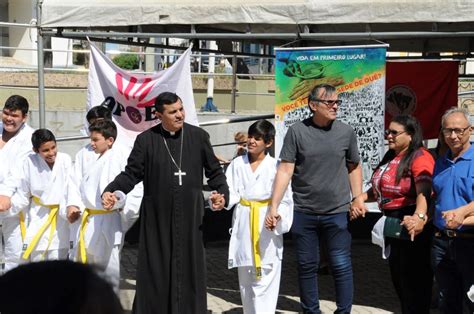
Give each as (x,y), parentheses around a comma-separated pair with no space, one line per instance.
(421,216)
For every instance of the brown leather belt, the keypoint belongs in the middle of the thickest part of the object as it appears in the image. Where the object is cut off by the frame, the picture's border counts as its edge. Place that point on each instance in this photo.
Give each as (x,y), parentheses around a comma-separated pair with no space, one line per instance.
(453,234)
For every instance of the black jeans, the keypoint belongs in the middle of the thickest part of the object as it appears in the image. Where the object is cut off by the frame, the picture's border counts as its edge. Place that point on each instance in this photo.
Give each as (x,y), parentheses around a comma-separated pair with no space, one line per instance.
(410,267)
(453,264)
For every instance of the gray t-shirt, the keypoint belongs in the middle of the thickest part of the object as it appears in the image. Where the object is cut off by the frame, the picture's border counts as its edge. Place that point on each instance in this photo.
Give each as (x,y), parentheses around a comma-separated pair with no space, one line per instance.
(320,181)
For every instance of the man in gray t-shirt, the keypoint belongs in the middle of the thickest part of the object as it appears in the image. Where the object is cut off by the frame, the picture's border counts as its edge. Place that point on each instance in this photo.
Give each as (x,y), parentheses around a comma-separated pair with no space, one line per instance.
(321,159)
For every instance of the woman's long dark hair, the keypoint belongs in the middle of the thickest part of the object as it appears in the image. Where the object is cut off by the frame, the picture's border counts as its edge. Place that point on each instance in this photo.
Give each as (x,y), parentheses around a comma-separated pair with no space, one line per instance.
(413,128)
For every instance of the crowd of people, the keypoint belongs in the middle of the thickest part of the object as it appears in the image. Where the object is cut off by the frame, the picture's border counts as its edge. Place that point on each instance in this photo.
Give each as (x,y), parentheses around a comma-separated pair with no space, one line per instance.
(53,209)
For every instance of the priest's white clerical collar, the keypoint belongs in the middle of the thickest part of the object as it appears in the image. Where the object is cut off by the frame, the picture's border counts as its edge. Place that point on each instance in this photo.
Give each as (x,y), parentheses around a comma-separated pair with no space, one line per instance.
(172,133)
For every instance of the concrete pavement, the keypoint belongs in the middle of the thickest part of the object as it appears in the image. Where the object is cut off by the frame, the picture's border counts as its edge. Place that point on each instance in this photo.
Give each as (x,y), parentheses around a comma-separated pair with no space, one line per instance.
(374,292)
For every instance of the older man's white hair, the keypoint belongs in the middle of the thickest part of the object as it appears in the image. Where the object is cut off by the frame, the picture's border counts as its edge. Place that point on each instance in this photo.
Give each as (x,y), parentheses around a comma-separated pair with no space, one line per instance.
(452,110)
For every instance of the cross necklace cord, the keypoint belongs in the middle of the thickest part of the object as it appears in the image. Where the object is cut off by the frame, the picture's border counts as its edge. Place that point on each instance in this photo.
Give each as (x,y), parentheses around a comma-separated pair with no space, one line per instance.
(179,173)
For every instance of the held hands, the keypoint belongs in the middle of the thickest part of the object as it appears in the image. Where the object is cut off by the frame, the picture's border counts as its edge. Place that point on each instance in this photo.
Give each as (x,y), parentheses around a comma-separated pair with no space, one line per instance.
(5,203)
(108,200)
(454,218)
(358,208)
(271,219)
(73,213)
(413,224)
(217,200)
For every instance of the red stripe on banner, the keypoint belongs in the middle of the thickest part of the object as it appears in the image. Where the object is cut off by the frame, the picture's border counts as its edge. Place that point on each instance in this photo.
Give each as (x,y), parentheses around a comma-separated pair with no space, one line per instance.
(145,92)
(142,86)
(131,84)
(148,103)
(118,81)
(424,89)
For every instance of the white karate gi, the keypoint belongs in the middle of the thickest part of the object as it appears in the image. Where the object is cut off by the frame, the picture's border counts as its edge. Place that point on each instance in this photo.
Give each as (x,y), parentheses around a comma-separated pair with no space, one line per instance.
(258,295)
(104,232)
(37,180)
(11,158)
(84,158)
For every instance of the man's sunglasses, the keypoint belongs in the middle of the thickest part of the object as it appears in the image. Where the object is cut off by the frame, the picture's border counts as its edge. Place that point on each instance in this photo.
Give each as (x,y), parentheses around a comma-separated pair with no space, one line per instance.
(329,103)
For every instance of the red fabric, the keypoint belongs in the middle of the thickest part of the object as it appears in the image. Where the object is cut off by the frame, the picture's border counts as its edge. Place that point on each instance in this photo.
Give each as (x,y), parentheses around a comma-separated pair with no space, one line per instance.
(404,193)
(435,84)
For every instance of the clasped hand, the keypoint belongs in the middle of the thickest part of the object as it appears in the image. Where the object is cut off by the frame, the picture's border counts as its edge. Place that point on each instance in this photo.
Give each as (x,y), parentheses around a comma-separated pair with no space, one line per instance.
(413,224)
(5,203)
(453,218)
(271,219)
(217,200)
(358,208)
(108,200)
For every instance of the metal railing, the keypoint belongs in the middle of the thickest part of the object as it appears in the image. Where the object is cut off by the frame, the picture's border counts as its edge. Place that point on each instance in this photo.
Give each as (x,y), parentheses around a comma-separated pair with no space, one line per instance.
(207,123)
(257,69)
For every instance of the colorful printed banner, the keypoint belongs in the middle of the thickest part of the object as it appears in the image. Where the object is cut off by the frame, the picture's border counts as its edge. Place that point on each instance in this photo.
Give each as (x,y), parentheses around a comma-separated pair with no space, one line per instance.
(131,96)
(424,89)
(357,72)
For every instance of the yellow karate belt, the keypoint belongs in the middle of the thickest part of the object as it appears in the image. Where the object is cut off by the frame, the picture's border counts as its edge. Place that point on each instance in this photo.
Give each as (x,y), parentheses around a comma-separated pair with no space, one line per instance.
(51,221)
(254,230)
(22,226)
(84,222)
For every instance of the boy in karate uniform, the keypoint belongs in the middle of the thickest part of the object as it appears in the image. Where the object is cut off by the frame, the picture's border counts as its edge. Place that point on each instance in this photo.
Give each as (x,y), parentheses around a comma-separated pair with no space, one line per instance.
(15,145)
(87,156)
(99,236)
(40,190)
(256,251)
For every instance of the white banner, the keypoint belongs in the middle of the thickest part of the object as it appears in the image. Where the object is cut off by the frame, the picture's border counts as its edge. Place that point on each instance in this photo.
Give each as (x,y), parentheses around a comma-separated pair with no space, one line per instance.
(131,96)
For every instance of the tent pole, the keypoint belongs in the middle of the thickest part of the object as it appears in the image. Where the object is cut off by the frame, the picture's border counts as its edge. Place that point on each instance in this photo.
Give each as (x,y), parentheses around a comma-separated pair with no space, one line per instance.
(265,36)
(40,53)
(234,83)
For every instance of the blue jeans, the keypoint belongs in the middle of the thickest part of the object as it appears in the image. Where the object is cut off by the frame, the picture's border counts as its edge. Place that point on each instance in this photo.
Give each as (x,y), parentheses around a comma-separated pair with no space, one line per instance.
(307,230)
(453,266)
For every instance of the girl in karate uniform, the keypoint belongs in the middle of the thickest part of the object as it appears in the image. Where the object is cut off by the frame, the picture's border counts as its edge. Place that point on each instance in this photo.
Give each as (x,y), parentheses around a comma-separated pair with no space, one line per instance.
(254,250)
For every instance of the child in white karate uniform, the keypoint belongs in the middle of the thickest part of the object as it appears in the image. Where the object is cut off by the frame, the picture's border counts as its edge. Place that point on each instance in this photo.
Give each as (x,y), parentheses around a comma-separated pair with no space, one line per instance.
(256,251)
(86,156)
(99,237)
(40,192)
(15,146)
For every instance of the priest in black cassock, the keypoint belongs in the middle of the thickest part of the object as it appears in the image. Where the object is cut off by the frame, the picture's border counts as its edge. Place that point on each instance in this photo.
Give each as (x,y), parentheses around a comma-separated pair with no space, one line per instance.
(170,158)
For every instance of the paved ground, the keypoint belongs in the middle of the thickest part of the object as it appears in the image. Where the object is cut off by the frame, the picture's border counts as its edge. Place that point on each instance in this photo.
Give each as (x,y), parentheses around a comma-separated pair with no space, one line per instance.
(373,289)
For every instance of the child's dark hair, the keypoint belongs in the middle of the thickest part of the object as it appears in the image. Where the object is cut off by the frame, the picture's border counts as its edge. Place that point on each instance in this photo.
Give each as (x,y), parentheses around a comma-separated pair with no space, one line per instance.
(17,102)
(262,129)
(105,127)
(76,287)
(41,136)
(98,112)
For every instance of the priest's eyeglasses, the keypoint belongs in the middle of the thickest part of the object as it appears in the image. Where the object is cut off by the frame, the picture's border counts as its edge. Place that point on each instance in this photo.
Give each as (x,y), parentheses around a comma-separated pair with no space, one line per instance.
(329,103)
(457,131)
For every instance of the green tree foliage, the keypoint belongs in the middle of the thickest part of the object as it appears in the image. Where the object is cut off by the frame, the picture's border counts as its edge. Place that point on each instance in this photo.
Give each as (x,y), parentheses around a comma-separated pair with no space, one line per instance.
(127,61)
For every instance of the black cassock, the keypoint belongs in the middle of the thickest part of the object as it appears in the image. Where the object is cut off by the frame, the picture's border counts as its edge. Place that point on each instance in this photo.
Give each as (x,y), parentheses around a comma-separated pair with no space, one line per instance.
(171,270)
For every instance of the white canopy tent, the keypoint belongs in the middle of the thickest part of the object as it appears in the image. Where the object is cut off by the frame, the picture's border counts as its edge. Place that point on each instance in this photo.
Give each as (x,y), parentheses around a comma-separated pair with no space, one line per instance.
(407,25)
(221,13)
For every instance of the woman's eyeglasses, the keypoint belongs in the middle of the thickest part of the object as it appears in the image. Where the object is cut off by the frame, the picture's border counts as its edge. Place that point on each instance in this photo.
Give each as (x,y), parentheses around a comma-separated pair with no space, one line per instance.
(393,133)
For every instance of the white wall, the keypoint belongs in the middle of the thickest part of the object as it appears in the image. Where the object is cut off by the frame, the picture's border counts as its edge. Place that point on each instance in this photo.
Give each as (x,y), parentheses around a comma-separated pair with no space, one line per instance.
(61,59)
(3,30)
(22,11)
(470,66)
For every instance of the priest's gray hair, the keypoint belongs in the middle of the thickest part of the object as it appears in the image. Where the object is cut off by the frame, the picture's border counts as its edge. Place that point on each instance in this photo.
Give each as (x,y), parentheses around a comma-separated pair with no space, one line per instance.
(452,110)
